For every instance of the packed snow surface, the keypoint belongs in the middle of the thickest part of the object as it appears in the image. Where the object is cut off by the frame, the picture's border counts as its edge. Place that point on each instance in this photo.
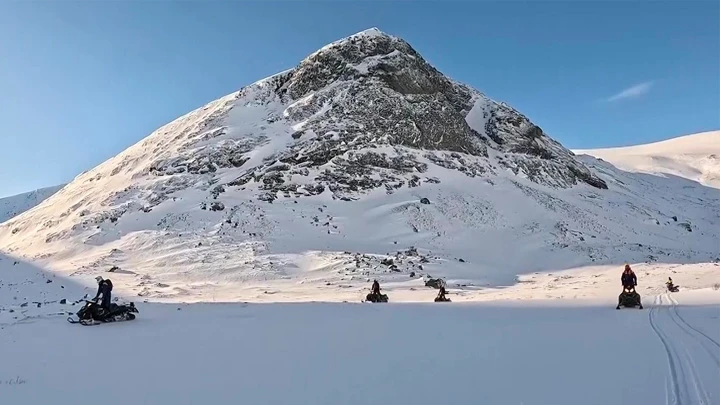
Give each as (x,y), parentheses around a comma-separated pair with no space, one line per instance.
(499,352)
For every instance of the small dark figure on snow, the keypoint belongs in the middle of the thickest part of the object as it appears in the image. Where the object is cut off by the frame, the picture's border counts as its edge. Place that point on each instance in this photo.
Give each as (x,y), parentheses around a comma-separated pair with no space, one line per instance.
(105,289)
(375,295)
(441,295)
(375,290)
(670,286)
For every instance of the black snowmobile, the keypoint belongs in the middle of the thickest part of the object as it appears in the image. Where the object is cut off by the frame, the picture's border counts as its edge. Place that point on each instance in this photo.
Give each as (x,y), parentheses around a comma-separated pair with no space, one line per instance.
(375,297)
(672,287)
(93,314)
(629,298)
(441,296)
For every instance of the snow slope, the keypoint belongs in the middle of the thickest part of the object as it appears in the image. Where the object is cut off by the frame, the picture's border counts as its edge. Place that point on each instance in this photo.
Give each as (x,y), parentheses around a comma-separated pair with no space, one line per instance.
(17,204)
(498,352)
(695,157)
(303,185)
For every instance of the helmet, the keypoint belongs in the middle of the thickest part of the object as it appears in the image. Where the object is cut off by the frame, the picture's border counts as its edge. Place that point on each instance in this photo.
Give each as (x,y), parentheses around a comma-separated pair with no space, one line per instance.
(99,279)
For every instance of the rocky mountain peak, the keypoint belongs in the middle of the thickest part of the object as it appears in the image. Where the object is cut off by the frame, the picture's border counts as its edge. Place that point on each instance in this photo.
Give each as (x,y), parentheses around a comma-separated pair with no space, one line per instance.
(363,113)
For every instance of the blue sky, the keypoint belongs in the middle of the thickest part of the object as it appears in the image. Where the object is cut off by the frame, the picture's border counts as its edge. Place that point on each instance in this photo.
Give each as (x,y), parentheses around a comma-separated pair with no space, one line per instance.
(81,81)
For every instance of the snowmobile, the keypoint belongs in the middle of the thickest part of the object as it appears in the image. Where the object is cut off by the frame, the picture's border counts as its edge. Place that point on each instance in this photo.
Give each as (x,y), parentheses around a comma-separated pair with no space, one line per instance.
(629,298)
(671,287)
(93,314)
(441,296)
(372,297)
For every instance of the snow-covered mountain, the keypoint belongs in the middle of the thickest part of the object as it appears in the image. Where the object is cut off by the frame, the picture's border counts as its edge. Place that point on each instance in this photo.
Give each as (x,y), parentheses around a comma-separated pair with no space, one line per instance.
(17,204)
(361,162)
(695,157)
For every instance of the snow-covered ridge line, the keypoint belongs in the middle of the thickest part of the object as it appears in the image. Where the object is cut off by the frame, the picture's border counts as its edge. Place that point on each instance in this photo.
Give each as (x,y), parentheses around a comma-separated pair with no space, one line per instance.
(695,157)
(17,204)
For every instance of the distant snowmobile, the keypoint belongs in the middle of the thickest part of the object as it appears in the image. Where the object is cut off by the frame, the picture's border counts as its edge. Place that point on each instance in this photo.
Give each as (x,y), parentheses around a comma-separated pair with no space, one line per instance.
(441,296)
(672,287)
(93,314)
(375,295)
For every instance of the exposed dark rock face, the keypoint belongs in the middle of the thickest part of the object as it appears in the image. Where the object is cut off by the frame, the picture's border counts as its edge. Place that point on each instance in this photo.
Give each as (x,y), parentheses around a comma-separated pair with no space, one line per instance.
(362,113)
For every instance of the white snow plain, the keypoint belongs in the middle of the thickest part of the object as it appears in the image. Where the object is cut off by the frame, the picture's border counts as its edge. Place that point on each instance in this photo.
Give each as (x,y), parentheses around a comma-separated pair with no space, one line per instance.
(501,352)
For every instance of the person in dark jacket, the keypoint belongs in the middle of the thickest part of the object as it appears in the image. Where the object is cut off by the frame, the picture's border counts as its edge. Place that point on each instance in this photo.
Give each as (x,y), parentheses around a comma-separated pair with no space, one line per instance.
(441,295)
(375,290)
(104,289)
(628,279)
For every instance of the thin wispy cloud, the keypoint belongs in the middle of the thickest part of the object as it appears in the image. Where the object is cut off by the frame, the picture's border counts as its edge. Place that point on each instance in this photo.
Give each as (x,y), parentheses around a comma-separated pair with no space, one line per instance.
(632,92)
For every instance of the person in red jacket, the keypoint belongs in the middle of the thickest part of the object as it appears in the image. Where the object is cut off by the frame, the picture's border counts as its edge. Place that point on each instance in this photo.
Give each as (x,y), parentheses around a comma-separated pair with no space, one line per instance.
(628,278)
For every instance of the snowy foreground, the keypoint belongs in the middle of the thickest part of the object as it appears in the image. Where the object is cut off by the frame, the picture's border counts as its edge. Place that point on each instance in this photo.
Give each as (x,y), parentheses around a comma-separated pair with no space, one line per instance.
(496,352)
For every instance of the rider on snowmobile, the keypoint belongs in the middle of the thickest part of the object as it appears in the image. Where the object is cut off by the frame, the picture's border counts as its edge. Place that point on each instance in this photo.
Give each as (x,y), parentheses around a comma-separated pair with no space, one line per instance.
(670,285)
(375,290)
(628,279)
(105,288)
(441,294)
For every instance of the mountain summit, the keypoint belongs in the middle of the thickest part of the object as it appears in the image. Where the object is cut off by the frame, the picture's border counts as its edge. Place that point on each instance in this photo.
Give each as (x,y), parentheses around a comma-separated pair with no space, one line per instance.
(365,112)
(347,143)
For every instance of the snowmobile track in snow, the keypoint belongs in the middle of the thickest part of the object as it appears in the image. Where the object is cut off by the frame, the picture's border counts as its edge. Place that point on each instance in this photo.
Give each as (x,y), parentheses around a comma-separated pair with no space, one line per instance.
(686,384)
(709,344)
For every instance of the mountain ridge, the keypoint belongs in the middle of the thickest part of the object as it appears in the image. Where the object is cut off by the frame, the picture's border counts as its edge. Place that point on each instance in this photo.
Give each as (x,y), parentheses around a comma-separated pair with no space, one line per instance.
(14,205)
(320,174)
(694,156)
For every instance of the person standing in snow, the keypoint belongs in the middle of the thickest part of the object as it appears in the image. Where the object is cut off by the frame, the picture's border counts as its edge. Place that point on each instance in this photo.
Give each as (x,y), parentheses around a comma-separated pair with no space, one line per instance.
(104,289)
(628,279)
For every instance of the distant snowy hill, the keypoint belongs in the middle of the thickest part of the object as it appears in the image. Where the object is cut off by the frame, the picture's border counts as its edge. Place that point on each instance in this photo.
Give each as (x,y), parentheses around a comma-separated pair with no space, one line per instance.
(17,204)
(361,162)
(695,157)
